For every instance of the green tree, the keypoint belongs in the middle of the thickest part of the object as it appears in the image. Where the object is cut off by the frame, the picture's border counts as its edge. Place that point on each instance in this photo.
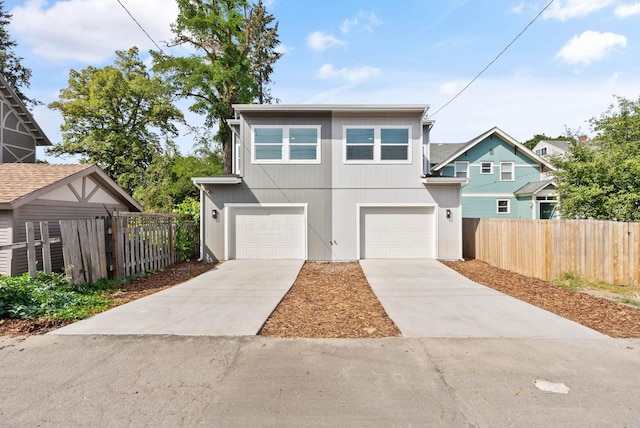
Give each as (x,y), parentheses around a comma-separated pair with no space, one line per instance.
(263,40)
(601,180)
(11,66)
(224,70)
(117,117)
(167,182)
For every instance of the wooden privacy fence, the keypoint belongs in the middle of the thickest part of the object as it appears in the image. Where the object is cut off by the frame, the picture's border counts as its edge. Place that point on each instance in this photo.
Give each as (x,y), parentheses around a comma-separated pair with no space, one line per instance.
(114,247)
(546,249)
(143,242)
(44,242)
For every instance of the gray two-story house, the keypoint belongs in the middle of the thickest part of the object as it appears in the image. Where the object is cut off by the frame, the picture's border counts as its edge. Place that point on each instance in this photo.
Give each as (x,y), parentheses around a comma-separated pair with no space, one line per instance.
(330,182)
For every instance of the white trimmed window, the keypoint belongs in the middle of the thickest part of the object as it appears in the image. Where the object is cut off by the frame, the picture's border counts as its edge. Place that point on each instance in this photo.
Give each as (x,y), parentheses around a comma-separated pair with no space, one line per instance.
(503,206)
(286,144)
(377,144)
(506,171)
(461,169)
(486,168)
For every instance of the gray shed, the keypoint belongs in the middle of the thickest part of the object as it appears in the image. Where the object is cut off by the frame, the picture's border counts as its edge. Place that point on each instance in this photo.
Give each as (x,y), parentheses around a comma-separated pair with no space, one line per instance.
(44,192)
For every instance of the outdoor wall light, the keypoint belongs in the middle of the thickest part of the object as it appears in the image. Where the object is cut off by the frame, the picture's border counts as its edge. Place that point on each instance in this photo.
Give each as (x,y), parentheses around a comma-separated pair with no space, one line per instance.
(214,214)
(448,214)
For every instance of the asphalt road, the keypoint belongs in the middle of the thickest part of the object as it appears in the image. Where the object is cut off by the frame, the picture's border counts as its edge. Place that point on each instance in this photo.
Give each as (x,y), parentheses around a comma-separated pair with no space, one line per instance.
(173,381)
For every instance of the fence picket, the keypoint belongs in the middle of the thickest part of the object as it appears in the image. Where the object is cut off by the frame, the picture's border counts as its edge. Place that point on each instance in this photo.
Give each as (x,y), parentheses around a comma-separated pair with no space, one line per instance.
(600,250)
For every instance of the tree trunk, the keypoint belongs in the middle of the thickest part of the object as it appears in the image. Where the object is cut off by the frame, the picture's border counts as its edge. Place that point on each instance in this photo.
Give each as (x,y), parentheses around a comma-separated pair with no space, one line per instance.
(227,156)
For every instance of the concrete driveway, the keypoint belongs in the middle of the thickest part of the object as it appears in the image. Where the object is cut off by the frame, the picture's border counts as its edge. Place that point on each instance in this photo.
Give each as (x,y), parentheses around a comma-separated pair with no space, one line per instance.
(427,299)
(234,299)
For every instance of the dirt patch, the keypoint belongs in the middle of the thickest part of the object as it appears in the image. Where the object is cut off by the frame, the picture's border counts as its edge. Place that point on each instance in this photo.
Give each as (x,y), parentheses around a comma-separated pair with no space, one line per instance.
(330,300)
(141,287)
(601,314)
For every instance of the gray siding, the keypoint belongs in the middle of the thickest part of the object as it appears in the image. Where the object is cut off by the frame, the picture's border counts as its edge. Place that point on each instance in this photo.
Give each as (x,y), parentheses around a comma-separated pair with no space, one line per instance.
(52,212)
(290,176)
(318,227)
(376,175)
(5,238)
(333,189)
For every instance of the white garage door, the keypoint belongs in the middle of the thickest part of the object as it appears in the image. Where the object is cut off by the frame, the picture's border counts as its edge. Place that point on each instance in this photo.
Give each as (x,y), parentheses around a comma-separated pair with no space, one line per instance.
(397,232)
(267,233)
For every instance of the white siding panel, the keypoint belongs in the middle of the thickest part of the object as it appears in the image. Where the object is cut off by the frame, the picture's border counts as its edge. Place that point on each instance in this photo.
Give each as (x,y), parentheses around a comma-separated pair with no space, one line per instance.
(267,233)
(397,232)
(5,238)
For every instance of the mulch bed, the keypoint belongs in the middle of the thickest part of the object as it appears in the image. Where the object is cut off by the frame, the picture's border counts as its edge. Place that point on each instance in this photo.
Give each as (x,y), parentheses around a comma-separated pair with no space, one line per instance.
(334,300)
(330,300)
(608,317)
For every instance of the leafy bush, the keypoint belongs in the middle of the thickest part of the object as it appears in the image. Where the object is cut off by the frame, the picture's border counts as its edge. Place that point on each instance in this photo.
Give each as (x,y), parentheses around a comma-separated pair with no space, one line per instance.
(50,295)
(187,228)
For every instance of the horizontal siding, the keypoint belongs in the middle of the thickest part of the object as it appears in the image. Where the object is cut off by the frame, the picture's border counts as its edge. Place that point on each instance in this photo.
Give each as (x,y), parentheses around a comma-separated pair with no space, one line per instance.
(5,238)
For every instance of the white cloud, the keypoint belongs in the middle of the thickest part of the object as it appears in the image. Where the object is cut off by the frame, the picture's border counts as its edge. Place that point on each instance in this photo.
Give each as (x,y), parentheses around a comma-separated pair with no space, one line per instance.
(319,41)
(90,31)
(351,75)
(589,47)
(348,24)
(567,9)
(626,10)
(365,20)
(525,7)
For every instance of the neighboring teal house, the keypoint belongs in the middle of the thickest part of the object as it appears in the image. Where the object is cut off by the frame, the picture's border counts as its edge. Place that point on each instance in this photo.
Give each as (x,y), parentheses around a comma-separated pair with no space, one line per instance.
(506,180)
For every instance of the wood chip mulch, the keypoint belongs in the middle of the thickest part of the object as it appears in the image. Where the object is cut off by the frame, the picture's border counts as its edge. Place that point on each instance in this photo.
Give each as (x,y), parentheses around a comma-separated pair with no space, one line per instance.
(330,300)
(606,316)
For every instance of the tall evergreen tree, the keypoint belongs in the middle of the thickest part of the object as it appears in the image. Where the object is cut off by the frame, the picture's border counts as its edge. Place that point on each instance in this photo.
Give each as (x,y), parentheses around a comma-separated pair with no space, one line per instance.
(11,66)
(263,40)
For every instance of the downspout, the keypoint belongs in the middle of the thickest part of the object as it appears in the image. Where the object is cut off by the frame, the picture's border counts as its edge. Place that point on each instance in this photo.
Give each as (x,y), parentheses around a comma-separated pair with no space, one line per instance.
(201,187)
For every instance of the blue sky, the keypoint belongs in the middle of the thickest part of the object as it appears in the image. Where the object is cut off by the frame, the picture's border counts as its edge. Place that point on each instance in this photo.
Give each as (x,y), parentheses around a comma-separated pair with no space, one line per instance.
(563,70)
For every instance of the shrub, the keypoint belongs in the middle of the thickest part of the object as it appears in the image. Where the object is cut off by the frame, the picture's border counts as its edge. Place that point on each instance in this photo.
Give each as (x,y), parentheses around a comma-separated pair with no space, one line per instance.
(50,296)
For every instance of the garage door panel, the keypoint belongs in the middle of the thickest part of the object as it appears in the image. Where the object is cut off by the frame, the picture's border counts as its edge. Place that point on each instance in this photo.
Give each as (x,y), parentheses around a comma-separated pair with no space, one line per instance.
(397,232)
(267,233)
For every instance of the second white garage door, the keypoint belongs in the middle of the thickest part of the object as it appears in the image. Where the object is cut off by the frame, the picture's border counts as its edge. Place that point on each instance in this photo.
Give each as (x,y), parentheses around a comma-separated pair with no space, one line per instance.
(267,233)
(397,232)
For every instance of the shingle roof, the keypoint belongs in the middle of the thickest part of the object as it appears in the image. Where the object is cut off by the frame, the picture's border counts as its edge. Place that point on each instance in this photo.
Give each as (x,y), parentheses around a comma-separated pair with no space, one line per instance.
(561,144)
(441,151)
(532,187)
(18,180)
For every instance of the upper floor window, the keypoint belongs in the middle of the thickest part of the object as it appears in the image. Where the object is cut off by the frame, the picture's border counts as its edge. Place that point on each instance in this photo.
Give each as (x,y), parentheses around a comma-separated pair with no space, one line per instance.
(288,144)
(486,168)
(542,151)
(377,144)
(506,171)
(462,169)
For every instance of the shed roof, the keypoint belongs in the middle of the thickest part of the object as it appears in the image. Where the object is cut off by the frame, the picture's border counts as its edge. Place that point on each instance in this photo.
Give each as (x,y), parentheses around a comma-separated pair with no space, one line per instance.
(532,187)
(23,182)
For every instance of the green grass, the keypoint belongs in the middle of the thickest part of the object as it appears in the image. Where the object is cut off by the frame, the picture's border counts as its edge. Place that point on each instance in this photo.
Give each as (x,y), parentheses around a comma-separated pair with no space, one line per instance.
(628,294)
(51,296)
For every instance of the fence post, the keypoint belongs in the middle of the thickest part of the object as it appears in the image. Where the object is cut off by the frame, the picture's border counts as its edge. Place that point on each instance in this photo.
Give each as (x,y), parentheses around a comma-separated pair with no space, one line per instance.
(46,247)
(171,252)
(31,249)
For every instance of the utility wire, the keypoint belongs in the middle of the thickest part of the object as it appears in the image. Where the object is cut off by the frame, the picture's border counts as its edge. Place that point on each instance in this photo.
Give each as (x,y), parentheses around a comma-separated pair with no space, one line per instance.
(494,60)
(143,30)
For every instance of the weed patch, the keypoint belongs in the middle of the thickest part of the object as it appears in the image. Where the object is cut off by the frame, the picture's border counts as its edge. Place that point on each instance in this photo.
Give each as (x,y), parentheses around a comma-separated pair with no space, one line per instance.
(51,296)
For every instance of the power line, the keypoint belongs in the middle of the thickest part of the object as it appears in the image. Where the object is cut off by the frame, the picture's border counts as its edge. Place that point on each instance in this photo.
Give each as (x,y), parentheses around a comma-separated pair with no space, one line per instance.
(495,59)
(143,30)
